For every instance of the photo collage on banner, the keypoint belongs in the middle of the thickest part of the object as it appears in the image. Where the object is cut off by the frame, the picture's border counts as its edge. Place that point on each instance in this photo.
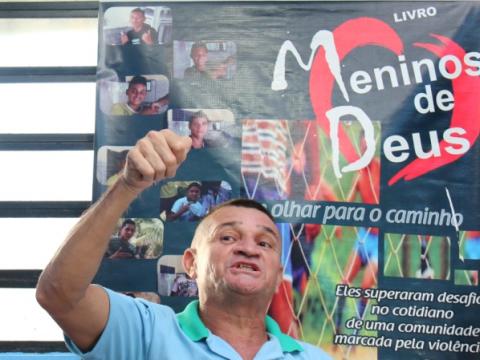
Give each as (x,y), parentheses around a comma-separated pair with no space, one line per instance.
(354,123)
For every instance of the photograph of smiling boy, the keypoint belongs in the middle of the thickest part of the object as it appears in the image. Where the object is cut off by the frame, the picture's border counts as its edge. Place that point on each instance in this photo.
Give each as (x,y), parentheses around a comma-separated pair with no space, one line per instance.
(138,238)
(198,125)
(140,32)
(188,207)
(136,92)
(208,128)
(119,246)
(144,95)
(192,200)
(204,60)
(199,56)
(147,25)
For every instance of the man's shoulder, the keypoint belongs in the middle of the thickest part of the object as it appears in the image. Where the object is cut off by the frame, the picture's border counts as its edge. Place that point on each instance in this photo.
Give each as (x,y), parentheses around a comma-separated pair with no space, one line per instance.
(144,307)
(193,73)
(180,201)
(190,70)
(120,109)
(147,27)
(114,241)
(133,325)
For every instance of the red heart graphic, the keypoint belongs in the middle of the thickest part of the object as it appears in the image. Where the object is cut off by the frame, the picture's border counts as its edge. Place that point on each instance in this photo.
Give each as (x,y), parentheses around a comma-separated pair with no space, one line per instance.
(360,32)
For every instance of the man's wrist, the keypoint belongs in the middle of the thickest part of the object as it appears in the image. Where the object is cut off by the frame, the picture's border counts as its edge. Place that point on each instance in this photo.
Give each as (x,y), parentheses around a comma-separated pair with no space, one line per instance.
(125,187)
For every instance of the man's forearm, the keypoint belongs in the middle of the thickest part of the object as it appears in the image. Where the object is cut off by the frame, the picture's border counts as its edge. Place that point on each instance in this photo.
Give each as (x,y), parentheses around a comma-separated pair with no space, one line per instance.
(64,289)
(65,279)
(174,215)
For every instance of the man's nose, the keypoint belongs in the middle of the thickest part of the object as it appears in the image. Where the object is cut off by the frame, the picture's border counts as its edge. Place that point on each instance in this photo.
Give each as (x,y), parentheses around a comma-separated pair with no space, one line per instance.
(247,247)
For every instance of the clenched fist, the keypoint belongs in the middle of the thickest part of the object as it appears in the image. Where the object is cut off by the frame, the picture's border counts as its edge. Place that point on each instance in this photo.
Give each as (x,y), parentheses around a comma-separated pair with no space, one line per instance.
(155,157)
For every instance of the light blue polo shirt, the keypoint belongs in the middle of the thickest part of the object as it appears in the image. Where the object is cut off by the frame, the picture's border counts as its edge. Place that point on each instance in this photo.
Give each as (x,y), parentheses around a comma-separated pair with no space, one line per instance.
(137,330)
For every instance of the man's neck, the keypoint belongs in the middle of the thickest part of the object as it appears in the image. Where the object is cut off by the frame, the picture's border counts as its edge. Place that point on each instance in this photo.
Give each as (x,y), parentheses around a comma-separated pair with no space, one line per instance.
(134,108)
(241,325)
(197,142)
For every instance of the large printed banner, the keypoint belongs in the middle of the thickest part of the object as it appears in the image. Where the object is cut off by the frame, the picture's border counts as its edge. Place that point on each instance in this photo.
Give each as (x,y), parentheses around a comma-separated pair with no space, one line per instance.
(354,123)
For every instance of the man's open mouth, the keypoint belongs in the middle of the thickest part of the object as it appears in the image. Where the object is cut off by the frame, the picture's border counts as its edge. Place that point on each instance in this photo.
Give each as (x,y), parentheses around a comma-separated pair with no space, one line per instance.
(246,266)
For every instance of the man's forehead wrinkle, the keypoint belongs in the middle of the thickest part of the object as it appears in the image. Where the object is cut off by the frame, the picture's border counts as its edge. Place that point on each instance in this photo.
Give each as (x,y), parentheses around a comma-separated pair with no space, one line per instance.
(228,224)
(235,224)
(215,221)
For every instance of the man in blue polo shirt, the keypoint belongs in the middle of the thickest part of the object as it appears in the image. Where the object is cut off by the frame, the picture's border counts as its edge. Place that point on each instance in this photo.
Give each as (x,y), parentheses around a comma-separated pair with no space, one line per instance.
(234,257)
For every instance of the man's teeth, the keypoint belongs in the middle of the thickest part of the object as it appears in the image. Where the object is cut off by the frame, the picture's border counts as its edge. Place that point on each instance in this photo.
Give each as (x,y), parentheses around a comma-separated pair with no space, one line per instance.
(245,266)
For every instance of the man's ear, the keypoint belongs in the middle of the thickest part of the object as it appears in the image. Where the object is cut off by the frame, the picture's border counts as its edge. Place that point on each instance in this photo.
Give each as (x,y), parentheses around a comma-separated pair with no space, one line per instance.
(189,261)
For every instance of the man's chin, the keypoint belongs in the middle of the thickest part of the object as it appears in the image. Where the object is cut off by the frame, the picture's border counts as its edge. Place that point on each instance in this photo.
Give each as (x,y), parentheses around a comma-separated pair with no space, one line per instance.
(245,288)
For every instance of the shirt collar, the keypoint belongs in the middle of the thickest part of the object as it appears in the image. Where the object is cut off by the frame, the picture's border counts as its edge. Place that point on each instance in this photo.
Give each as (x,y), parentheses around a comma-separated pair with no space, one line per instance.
(193,326)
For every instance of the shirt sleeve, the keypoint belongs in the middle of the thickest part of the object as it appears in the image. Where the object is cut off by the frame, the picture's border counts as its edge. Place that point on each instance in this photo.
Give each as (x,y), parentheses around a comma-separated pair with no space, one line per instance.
(128,332)
(119,109)
(176,205)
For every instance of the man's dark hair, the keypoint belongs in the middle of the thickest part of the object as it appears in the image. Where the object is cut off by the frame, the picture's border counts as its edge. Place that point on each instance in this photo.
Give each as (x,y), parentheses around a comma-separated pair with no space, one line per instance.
(138,10)
(245,203)
(197,115)
(194,184)
(137,79)
(198,45)
(128,222)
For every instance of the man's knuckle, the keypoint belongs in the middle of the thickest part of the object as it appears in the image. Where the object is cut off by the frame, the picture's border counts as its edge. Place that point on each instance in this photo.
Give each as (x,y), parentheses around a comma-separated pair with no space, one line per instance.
(165,132)
(153,135)
(142,144)
(161,167)
(149,172)
(170,160)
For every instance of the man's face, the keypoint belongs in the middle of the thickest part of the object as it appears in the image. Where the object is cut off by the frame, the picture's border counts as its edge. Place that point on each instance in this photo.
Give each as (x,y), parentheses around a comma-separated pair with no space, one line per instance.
(137,20)
(127,231)
(200,57)
(198,127)
(238,253)
(193,194)
(136,95)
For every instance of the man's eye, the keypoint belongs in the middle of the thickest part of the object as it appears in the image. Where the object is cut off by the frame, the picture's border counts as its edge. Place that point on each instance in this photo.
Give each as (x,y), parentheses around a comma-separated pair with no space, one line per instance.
(227,238)
(265,244)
